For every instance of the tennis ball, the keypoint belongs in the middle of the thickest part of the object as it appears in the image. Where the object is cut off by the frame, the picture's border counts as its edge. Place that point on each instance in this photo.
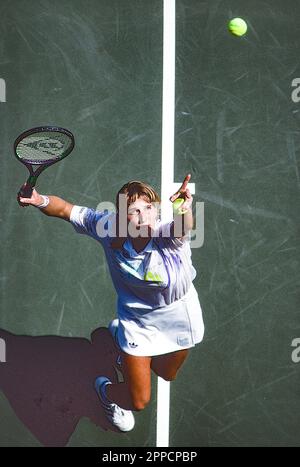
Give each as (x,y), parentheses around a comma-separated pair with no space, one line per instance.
(177,206)
(237,26)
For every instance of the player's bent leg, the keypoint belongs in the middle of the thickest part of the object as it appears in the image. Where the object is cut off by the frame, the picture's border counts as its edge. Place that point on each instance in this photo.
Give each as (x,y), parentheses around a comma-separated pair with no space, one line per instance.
(166,366)
(135,392)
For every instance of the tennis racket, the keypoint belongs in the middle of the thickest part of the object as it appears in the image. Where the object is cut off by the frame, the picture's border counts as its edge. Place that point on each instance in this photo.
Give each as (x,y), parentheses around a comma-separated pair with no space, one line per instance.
(41,147)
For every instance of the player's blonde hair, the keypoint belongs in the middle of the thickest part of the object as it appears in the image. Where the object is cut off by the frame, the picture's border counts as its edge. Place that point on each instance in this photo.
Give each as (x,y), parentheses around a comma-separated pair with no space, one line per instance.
(136,189)
(133,190)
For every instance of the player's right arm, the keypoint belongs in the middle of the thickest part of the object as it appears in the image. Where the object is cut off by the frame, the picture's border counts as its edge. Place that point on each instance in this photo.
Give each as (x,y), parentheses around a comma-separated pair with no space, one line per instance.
(57,207)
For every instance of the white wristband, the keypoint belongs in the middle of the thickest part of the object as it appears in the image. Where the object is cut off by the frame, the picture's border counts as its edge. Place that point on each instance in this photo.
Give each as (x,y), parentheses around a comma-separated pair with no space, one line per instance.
(45,202)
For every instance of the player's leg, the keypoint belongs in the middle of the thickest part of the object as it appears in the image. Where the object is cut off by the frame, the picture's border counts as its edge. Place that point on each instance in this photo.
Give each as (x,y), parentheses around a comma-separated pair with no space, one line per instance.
(166,366)
(135,392)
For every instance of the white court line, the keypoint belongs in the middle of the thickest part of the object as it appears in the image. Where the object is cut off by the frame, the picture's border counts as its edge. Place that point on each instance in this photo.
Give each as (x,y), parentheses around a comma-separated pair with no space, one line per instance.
(167,180)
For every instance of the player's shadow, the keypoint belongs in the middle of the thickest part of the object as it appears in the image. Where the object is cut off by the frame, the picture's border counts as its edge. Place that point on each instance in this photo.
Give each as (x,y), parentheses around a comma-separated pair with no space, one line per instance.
(49,381)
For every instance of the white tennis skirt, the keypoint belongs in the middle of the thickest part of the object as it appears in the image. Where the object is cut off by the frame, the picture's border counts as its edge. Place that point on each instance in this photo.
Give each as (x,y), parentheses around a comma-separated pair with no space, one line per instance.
(163,330)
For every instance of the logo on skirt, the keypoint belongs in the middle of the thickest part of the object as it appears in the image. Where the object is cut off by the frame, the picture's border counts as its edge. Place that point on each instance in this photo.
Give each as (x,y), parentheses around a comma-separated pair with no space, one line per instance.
(183,340)
(133,345)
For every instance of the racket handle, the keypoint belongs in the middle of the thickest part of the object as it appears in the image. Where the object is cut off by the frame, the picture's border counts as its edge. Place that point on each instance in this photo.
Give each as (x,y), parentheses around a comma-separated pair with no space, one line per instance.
(25,190)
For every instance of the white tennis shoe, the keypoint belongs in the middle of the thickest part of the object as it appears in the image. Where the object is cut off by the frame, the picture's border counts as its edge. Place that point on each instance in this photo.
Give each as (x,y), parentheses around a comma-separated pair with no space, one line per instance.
(120,418)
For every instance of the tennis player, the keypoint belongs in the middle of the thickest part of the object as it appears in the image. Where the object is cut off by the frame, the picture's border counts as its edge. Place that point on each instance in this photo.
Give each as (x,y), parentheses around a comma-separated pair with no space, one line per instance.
(159,316)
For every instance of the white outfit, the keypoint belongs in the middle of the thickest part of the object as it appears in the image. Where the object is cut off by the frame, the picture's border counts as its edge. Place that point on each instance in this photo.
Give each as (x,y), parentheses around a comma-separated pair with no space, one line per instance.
(158,306)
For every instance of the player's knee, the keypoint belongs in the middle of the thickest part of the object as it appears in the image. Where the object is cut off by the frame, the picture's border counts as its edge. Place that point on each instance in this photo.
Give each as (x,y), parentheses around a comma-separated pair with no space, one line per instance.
(169,377)
(140,403)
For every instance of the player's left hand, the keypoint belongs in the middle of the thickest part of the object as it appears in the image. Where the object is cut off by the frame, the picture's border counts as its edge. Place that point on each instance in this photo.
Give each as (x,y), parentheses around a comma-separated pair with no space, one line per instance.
(184,193)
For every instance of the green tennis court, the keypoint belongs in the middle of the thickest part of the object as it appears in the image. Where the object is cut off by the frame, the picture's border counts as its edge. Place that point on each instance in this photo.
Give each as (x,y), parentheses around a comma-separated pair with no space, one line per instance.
(100,69)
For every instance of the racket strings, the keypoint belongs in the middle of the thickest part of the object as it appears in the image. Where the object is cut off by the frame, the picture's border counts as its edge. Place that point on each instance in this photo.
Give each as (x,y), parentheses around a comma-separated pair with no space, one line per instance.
(42,147)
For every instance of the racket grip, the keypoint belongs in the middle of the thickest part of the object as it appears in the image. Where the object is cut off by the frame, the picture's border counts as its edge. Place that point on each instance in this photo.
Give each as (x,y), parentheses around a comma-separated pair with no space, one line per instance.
(25,191)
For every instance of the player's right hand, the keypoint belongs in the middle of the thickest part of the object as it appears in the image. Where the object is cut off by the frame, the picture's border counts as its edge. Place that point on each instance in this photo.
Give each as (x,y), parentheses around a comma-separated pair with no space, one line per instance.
(35,199)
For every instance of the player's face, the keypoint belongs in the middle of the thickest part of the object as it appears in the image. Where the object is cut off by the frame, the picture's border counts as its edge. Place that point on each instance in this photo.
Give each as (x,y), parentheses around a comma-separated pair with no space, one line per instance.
(142,213)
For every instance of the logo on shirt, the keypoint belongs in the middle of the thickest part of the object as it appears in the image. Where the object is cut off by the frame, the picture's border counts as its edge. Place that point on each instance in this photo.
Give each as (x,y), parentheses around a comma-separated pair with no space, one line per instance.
(153,276)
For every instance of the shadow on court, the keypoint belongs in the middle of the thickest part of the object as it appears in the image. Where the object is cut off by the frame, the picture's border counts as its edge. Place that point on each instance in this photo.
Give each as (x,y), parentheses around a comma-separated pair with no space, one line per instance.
(49,381)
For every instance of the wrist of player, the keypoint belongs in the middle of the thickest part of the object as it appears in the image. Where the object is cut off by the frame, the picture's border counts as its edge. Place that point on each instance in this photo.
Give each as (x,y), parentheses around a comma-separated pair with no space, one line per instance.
(43,201)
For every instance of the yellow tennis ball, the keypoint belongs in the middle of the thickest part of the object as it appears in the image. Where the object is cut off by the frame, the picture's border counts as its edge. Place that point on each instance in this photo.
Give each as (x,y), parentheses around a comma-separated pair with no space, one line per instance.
(177,206)
(237,26)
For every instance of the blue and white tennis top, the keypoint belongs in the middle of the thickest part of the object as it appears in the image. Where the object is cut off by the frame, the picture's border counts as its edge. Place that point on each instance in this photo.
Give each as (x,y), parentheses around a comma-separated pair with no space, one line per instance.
(157,304)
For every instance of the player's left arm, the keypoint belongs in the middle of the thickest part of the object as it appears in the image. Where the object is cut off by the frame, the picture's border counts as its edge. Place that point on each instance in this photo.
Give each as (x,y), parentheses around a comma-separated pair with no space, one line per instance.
(183,215)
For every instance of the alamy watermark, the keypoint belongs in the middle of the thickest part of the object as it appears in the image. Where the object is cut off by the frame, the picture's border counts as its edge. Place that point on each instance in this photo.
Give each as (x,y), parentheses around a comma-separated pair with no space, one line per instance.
(125,227)
(2,90)
(296,352)
(2,351)
(296,92)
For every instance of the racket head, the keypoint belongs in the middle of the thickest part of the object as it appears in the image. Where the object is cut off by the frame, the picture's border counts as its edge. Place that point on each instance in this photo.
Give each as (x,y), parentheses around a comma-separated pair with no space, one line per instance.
(43,145)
